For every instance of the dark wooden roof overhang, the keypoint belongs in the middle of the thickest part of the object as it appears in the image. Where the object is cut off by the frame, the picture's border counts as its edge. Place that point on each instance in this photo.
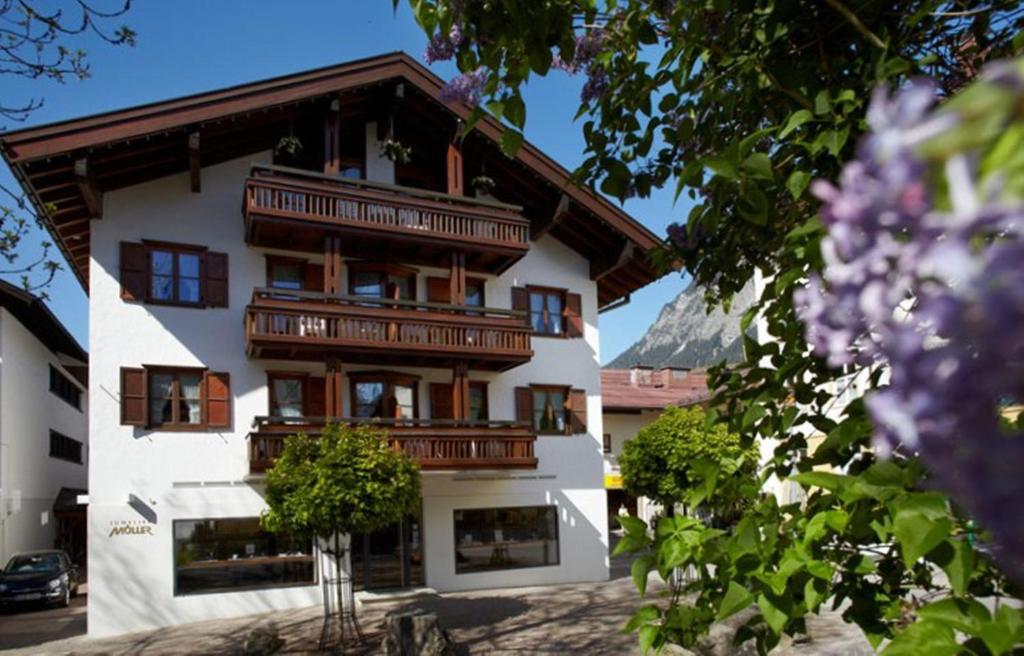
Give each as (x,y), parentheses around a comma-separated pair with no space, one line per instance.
(65,167)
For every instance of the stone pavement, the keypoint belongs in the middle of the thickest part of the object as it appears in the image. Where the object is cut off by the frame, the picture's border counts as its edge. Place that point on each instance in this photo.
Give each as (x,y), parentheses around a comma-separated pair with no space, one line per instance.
(563,619)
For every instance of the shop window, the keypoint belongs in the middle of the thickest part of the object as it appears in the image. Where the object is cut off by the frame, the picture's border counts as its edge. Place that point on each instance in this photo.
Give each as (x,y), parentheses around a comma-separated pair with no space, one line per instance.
(505,538)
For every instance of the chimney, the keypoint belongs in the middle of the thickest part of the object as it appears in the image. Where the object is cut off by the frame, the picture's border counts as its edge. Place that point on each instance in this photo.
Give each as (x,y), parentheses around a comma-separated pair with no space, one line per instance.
(673,377)
(640,374)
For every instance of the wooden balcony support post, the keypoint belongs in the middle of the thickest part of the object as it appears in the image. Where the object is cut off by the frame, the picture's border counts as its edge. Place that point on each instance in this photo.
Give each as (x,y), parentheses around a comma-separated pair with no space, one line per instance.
(458,278)
(194,165)
(460,390)
(456,183)
(334,385)
(332,138)
(332,265)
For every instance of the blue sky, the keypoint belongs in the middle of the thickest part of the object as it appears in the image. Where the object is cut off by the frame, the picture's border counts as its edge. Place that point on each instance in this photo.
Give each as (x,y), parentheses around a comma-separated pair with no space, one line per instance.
(190,46)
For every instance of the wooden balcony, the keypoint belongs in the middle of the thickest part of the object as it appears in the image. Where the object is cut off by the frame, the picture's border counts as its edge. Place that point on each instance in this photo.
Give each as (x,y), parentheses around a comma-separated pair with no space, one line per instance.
(313,326)
(297,209)
(436,444)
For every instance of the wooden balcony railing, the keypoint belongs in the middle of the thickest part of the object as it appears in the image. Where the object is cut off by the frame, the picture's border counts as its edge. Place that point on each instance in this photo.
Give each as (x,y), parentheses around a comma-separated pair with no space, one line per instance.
(433,443)
(316,323)
(360,204)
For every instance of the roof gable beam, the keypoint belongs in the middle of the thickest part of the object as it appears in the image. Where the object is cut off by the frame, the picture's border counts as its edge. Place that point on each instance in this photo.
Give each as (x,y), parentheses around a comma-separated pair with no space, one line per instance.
(91,193)
(544,225)
(194,166)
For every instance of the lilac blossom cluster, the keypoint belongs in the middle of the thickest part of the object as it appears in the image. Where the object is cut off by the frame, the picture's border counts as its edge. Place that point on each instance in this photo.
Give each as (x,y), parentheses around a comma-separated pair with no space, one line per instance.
(934,294)
(467,88)
(587,47)
(443,47)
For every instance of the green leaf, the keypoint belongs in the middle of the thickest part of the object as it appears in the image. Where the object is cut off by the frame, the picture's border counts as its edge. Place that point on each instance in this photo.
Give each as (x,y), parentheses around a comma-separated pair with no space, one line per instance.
(956,558)
(511,140)
(643,615)
(759,165)
(796,119)
(924,637)
(918,534)
(967,616)
(814,593)
(821,103)
(796,183)
(736,599)
(639,570)
(775,617)
(825,480)
(1006,630)
(722,165)
(617,177)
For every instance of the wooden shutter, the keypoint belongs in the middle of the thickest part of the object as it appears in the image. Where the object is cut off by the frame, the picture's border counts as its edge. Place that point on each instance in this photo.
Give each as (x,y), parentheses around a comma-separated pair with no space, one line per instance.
(315,397)
(215,278)
(577,411)
(133,271)
(524,406)
(441,401)
(216,395)
(439,290)
(134,397)
(573,315)
(314,281)
(520,299)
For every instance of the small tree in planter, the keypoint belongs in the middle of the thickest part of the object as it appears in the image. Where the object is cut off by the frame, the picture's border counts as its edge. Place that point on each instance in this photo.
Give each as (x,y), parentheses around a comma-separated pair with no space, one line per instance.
(347,481)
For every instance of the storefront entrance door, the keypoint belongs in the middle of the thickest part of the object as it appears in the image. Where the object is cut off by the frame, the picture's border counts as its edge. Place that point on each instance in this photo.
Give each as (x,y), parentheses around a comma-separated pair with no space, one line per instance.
(389,558)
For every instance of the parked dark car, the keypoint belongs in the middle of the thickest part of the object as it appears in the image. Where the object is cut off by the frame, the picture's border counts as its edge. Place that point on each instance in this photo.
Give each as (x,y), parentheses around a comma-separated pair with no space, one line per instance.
(39,577)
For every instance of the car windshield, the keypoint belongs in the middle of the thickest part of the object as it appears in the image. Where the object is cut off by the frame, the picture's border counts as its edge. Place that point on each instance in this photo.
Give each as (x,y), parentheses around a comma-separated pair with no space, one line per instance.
(33,564)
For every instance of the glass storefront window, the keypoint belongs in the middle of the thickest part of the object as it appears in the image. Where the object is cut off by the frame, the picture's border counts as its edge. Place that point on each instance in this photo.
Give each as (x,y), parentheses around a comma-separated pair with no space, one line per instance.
(224,555)
(505,538)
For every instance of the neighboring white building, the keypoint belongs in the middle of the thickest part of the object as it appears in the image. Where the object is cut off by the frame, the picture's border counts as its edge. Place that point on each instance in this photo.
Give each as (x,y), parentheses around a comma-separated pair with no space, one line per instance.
(467,325)
(631,399)
(44,433)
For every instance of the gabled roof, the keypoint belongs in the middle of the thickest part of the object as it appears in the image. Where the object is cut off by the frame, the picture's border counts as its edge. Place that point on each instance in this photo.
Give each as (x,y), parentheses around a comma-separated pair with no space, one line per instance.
(133,145)
(642,388)
(33,313)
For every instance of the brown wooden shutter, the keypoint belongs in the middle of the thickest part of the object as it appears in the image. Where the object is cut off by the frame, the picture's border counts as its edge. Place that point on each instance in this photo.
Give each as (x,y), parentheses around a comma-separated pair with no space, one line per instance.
(578,411)
(314,397)
(314,282)
(133,271)
(441,401)
(216,279)
(520,299)
(217,399)
(524,406)
(134,397)
(439,290)
(573,315)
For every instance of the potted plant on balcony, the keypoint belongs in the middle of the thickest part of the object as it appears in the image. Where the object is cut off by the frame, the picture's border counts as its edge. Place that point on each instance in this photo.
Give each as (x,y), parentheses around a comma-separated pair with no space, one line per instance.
(482,184)
(395,151)
(288,150)
(349,480)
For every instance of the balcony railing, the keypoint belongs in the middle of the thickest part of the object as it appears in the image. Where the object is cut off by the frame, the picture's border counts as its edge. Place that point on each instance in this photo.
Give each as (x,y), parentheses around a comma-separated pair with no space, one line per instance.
(288,324)
(340,203)
(434,443)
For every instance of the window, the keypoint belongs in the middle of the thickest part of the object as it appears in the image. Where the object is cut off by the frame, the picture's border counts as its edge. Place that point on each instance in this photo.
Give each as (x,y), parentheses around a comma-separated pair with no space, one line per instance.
(478,401)
(221,555)
(382,281)
(173,274)
(549,409)
(175,398)
(296,394)
(475,292)
(384,395)
(65,448)
(606,443)
(285,274)
(62,386)
(546,311)
(505,538)
(442,401)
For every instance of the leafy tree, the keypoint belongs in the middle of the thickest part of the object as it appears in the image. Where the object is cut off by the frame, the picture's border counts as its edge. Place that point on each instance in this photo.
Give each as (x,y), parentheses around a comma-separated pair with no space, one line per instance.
(681,457)
(349,480)
(33,45)
(740,104)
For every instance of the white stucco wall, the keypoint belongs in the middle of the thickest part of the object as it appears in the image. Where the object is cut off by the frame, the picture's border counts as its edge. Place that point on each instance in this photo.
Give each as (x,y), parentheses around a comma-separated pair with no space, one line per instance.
(29,478)
(183,475)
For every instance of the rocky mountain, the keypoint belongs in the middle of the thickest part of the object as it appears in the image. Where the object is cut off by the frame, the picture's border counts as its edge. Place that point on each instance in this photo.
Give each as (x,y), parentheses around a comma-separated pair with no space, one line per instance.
(685,335)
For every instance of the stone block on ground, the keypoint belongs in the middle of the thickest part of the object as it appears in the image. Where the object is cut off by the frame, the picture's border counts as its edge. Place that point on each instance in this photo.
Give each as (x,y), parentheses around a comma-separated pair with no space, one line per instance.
(263,640)
(415,633)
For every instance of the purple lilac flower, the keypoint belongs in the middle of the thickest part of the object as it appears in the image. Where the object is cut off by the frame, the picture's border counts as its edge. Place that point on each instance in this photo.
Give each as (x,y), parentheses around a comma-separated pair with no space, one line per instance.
(441,47)
(596,85)
(934,296)
(466,88)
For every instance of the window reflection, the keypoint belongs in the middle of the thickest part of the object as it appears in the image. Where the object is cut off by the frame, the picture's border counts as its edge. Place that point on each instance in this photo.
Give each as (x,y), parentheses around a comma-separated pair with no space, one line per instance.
(505,538)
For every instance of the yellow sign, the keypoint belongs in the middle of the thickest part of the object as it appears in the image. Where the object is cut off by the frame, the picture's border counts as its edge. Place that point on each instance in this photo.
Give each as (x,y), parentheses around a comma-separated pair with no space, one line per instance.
(613,481)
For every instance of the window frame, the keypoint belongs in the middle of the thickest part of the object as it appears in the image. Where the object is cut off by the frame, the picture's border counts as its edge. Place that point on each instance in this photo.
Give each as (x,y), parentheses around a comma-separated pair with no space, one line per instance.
(176,398)
(383,270)
(389,380)
(557,539)
(606,443)
(486,405)
(313,557)
(65,387)
(301,376)
(546,292)
(566,391)
(176,250)
(77,443)
(283,260)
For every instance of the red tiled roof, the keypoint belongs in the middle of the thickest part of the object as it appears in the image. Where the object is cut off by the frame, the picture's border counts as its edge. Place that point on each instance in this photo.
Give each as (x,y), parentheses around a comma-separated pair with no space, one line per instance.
(648,389)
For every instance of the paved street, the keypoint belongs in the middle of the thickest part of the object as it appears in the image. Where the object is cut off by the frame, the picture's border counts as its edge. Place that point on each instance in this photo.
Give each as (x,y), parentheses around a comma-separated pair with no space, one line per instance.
(564,619)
